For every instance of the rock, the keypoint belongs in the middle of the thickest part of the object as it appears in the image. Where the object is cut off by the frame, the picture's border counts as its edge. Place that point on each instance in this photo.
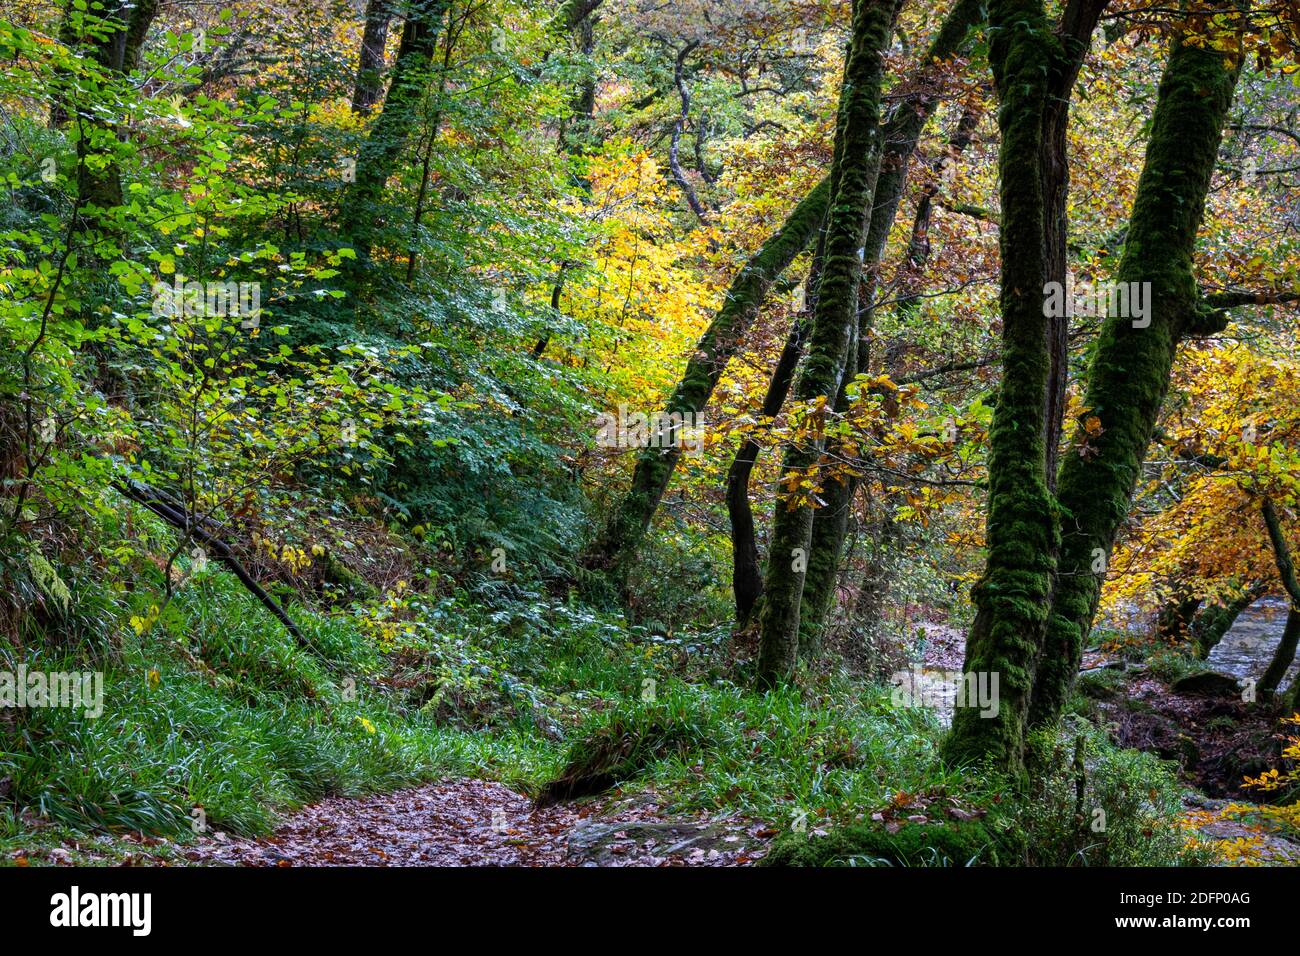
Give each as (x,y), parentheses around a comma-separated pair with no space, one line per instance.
(1207,684)
(1099,684)
(604,844)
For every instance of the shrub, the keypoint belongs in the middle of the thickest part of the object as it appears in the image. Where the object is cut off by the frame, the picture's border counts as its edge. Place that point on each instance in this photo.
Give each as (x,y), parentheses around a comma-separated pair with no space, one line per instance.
(1093,804)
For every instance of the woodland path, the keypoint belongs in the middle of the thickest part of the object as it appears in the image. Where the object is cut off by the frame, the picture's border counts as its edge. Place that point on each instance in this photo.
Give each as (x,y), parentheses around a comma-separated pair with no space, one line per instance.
(466,822)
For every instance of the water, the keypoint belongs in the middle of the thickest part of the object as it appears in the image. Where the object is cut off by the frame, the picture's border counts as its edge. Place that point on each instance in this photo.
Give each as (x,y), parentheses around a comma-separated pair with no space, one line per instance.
(1244,652)
(1247,648)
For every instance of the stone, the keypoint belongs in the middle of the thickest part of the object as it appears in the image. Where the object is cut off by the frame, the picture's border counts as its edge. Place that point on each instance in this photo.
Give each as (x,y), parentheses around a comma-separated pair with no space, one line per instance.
(1207,684)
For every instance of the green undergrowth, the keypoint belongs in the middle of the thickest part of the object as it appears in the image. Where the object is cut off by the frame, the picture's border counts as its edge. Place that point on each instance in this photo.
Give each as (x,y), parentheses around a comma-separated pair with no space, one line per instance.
(1089,804)
(212,712)
(216,714)
(818,752)
(867,844)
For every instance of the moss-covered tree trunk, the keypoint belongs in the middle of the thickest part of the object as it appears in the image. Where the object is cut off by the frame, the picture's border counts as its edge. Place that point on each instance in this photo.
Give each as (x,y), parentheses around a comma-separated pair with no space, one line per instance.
(1035,69)
(1074,31)
(1129,374)
(831,522)
(615,546)
(1011,597)
(1286,571)
(854,171)
(901,133)
(1283,656)
(1293,697)
(746,568)
(1215,620)
(830,526)
(379,153)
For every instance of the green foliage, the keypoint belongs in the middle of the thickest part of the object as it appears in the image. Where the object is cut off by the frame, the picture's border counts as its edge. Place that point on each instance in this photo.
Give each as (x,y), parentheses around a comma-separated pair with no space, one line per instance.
(1093,804)
(1172,663)
(215,711)
(399,445)
(863,844)
(781,756)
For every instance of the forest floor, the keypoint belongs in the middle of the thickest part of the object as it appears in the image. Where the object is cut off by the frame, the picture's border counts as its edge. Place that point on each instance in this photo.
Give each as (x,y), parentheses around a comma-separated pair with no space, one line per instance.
(474,822)
(454,822)
(460,820)
(466,822)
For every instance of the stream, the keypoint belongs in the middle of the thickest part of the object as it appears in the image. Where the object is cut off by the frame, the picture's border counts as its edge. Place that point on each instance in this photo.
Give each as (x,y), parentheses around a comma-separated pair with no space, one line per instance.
(1245,651)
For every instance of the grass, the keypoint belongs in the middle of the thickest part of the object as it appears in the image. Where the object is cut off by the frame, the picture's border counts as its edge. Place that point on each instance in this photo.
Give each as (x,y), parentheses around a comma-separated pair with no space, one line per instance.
(215,708)
(218,710)
(824,752)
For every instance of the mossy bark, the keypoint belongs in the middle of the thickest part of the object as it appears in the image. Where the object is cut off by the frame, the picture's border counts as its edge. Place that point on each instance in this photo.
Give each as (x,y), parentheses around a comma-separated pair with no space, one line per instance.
(902,131)
(1286,648)
(614,548)
(1215,620)
(1282,657)
(746,568)
(617,544)
(379,153)
(1130,370)
(1011,597)
(1078,21)
(830,526)
(854,170)
(1286,571)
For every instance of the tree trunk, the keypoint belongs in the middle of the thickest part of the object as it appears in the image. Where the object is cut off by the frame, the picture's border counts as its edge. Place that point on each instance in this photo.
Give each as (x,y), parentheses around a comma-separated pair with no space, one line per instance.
(1285,653)
(1282,657)
(116,49)
(1075,29)
(831,522)
(1214,621)
(1130,369)
(379,153)
(1011,597)
(747,571)
(830,526)
(674,148)
(1174,620)
(614,548)
(369,86)
(901,133)
(854,170)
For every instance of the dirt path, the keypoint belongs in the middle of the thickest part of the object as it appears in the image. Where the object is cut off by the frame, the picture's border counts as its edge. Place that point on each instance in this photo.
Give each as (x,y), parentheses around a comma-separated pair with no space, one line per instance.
(479,823)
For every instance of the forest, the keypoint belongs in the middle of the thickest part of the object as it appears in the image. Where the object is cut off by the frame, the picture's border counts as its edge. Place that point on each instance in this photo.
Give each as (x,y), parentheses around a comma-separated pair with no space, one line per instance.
(649,433)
